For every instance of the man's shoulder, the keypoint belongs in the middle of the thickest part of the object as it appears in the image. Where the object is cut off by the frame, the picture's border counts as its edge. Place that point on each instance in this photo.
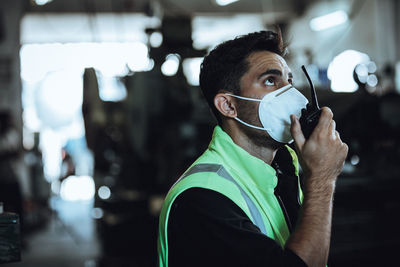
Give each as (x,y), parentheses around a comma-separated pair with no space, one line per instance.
(203,184)
(205,203)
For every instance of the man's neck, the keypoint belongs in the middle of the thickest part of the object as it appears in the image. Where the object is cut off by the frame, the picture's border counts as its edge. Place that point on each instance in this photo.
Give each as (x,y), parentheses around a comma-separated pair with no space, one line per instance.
(265,153)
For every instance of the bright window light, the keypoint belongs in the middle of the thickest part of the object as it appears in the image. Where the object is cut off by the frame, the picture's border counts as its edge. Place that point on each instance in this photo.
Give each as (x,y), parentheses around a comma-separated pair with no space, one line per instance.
(137,57)
(111,59)
(52,90)
(50,144)
(31,120)
(58,102)
(74,27)
(225,2)
(191,69)
(328,21)
(170,65)
(208,31)
(111,89)
(77,188)
(108,58)
(340,70)
(50,56)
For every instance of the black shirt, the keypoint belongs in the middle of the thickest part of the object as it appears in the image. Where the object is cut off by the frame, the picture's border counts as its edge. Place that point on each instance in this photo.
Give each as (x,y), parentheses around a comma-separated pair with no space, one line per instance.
(205,228)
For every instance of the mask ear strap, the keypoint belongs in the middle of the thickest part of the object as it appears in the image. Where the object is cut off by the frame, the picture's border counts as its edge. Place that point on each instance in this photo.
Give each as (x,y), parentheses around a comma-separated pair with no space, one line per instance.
(245,98)
(249,125)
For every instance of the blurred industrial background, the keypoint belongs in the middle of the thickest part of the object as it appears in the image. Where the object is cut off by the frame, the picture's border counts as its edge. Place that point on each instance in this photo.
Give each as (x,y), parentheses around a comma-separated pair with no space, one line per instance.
(100,112)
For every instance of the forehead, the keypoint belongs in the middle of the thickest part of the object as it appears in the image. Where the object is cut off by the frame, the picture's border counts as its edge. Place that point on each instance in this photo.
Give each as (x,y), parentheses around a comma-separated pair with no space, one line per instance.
(263,60)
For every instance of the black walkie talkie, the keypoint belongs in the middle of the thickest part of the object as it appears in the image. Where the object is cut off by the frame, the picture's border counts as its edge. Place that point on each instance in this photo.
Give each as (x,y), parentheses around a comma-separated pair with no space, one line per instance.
(310,115)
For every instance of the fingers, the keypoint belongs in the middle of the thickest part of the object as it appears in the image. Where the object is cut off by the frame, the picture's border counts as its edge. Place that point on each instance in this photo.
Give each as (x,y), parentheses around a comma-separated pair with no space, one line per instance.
(346,149)
(342,147)
(337,135)
(297,133)
(324,120)
(332,130)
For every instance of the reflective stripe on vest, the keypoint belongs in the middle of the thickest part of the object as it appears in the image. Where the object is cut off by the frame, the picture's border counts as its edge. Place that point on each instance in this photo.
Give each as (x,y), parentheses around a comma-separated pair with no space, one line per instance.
(221,171)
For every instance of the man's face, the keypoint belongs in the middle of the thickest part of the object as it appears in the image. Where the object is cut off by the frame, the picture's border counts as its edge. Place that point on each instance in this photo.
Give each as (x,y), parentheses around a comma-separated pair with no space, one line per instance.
(267,72)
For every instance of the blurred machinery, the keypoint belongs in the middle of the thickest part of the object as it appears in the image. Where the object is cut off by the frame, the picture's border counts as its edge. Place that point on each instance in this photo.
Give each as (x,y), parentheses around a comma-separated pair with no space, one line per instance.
(10,246)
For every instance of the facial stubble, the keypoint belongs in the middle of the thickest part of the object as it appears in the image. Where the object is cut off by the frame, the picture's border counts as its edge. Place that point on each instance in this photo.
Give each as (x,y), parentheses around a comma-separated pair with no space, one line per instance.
(248,112)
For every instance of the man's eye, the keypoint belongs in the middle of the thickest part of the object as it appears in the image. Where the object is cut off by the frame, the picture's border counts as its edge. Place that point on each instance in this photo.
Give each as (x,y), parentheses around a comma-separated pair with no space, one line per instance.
(269,81)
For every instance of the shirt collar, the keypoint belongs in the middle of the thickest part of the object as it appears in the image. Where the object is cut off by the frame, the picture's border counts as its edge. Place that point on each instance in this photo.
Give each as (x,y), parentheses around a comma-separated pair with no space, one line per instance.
(250,169)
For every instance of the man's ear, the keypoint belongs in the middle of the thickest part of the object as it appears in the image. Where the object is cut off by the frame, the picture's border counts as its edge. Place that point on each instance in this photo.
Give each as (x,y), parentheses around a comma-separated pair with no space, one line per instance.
(225,105)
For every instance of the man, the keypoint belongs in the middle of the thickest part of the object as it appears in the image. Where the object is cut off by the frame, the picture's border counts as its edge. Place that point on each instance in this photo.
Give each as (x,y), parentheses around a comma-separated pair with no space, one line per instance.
(238,204)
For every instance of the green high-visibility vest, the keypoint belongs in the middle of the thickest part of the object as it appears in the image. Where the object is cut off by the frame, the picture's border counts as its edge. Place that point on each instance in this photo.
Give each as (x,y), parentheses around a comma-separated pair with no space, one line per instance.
(246,180)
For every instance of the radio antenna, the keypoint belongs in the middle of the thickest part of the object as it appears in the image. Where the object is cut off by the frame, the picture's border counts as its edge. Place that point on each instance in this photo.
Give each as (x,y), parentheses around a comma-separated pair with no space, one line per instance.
(314,100)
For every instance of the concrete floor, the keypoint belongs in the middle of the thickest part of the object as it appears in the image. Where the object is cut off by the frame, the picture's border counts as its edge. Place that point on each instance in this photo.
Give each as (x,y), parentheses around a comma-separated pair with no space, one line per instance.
(68,240)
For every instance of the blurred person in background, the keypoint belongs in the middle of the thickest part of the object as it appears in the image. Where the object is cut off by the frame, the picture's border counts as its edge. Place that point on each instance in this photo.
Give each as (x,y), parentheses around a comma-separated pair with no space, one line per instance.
(241,203)
(10,190)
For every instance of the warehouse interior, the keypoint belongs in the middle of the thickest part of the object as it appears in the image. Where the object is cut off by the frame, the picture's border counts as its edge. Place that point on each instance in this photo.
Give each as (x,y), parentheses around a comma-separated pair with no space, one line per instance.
(101,112)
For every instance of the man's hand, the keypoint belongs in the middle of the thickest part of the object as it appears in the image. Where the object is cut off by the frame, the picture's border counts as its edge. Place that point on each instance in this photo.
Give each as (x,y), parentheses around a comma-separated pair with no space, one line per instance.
(322,156)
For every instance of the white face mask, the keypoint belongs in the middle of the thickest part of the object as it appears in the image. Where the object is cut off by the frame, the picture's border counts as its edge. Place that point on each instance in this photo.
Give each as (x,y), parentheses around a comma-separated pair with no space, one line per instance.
(275,110)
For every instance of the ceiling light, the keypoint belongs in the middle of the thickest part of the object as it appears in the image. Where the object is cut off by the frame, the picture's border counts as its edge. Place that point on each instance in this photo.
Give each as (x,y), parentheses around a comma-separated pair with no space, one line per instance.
(372,80)
(42,2)
(329,20)
(104,192)
(362,70)
(225,2)
(156,39)
(371,67)
(171,65)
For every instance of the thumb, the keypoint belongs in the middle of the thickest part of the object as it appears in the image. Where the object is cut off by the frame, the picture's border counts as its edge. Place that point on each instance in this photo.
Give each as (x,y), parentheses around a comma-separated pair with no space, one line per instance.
(297,133)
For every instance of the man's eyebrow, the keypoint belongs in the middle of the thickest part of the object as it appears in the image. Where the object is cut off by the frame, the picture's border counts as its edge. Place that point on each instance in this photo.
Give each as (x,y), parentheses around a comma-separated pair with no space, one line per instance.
(270,71)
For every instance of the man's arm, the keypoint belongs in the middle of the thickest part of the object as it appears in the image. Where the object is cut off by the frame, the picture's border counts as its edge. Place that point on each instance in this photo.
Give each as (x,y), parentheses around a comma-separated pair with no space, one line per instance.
(322,157)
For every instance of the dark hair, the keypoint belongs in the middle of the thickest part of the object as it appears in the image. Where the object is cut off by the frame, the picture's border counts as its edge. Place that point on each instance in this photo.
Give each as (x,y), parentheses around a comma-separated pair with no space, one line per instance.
(225,65)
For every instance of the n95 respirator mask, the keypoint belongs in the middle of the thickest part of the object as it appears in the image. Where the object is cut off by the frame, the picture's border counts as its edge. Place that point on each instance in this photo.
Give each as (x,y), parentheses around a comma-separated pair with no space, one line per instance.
(274,112)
